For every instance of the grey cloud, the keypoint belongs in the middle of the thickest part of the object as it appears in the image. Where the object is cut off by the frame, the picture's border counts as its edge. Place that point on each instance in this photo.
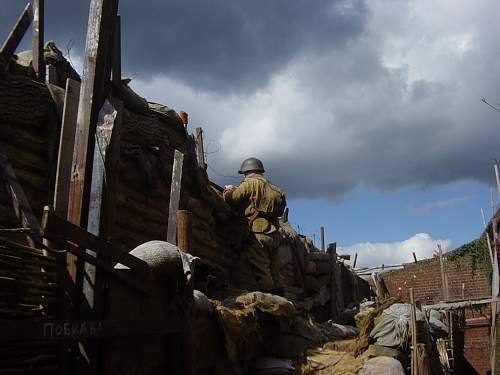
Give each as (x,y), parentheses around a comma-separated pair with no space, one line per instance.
(223,46)
(348,119)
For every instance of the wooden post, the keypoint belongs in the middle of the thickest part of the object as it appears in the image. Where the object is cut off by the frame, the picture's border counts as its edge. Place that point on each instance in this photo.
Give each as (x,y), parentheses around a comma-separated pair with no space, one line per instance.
(17,33)
(497,177)
(200,148)
(414,370)
(175,195)
(38,61)
(322,237)
(492,206)
(444,284)
(414,257)
(61,198)
(104,131)
(337,279)
(183,230)
(333,290)
(66,146)
(487,236)
(495,281)
(355,260)
(93,90)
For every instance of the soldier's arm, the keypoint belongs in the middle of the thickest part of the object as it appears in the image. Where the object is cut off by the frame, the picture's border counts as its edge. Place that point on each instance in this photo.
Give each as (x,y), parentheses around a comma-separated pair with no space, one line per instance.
(238,194)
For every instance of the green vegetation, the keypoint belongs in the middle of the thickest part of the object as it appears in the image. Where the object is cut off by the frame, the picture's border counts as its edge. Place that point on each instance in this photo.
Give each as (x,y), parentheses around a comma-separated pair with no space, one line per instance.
(478,251)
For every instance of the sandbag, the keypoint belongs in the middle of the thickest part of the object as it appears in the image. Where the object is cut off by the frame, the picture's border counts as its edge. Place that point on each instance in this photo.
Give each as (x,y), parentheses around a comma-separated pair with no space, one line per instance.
(382,366)
(392,328)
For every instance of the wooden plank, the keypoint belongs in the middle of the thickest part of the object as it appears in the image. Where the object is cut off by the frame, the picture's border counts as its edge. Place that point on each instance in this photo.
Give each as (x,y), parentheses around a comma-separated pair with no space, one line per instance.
(66,146)
(460,304)
(444,284)
(59,230)
(38,61)
(30,330)
(200,148)
(65,261)
(112,173)
(413,327)
(322,237)
(183,230)
(334,312)
(175,195)
(92,93)
(104,129)
(14,38)
(20,203)
(495,283)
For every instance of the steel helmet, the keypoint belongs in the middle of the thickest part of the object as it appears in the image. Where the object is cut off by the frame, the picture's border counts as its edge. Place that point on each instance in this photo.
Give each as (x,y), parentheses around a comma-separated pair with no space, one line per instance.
(251,164)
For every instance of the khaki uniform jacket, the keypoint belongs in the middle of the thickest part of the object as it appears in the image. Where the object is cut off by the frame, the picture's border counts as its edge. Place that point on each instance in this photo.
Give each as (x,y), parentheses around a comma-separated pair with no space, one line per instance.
(246,198)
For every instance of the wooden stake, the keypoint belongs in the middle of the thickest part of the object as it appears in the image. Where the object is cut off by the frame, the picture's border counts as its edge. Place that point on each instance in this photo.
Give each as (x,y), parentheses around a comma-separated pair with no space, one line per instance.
(322,237)
(487,237)
(14,38)
(183,230)
(200,148)
(175,195)
(355,260)
(497,178)
(414,370)
(444,286)
(66,146)
(414,256)
(93,90)
(492,206)
(38,61)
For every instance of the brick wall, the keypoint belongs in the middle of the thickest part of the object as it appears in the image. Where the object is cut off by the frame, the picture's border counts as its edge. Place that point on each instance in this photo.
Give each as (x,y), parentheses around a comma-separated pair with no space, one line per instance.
(466,280)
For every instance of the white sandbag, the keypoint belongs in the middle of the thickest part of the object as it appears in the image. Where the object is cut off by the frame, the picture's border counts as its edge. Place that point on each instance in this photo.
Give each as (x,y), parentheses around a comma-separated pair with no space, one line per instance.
(382,366)
(393,327)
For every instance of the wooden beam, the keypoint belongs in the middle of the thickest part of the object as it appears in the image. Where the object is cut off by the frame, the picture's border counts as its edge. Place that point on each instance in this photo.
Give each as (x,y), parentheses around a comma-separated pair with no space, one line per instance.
(200,148)
(175,195)
(38,61)
(444,283)
(14,38)
(322,237)
(183,230)
(460,304)
(93,90)
(413,327)
(108,217)
(66,146)
(60,231)
(20,202)
(334,310)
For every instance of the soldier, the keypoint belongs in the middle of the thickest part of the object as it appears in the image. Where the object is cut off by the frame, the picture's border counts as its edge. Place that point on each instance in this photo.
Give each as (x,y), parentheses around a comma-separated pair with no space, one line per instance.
(261,204)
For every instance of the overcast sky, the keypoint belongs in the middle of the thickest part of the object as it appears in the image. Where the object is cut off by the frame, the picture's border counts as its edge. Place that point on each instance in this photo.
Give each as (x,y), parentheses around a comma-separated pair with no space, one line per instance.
(344,101)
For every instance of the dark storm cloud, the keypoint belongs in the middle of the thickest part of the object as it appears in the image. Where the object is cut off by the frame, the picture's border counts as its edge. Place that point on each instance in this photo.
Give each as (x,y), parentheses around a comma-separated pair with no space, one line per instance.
(332,95)
(218,46)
